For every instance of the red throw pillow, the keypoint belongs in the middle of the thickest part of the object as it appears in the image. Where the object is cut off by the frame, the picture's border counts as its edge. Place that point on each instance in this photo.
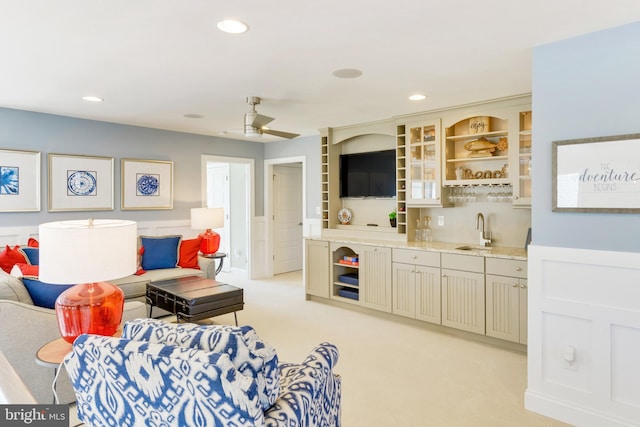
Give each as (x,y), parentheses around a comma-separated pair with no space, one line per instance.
(28,269)
(189,253)
(33,243)
(10,257)
(140,271)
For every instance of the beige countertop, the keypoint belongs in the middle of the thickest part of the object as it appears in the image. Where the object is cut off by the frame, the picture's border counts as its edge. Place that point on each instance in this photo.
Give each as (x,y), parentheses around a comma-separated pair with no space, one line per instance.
(443,247)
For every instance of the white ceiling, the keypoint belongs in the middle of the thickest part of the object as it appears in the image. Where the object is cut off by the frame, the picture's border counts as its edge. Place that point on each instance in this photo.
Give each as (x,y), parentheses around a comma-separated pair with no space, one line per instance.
(153,61)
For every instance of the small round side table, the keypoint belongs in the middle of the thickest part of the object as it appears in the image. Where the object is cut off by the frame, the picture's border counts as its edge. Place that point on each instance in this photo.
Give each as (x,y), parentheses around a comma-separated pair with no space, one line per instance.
(219,256)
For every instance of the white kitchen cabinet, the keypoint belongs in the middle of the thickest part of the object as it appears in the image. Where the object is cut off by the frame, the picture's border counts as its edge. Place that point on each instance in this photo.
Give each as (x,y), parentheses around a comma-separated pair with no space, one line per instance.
(521,166)
(416,284)
(316,272)
(463,305)
(375,277)
(506,299)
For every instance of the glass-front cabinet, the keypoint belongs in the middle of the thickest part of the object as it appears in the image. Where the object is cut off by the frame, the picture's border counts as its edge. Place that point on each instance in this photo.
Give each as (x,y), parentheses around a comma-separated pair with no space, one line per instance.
(522,185)
(423,152)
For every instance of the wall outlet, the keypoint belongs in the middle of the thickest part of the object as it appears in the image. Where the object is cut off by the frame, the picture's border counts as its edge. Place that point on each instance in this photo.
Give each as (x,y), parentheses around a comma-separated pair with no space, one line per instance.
(440,221)
(570,362)
(318,211)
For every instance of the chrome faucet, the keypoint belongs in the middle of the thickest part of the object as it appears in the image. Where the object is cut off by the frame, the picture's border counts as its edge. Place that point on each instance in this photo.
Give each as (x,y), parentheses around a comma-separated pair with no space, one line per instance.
(484,241)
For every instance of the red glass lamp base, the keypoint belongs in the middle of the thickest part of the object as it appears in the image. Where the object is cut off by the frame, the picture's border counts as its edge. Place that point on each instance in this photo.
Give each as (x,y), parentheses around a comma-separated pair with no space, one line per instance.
(210,242)
(91,308)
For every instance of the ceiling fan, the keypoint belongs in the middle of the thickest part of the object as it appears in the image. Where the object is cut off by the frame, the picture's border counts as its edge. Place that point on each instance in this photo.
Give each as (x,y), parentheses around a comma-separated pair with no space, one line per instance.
(255,124)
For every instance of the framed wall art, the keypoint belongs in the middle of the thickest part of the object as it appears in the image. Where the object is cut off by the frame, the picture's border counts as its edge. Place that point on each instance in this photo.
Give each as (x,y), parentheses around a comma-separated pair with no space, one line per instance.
(80,183)
(19,181)
(597,174)
(147,184)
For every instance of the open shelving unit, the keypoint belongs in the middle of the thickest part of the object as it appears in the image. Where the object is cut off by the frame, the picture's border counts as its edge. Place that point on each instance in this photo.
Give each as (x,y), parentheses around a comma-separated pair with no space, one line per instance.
(342,289)
(401,179)
(462,168)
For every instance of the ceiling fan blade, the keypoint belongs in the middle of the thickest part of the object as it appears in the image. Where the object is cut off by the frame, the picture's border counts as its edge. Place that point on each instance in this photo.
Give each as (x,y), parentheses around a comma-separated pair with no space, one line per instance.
(279,133)
(259,121)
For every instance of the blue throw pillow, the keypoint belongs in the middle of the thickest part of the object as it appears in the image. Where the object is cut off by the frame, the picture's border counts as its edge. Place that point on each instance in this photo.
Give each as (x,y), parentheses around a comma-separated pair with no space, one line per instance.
(160,252)
(43,294)
(32,255)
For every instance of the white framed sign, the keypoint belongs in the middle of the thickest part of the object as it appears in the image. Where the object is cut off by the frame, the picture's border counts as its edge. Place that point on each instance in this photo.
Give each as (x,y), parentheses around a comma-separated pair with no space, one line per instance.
(19,181)
(146,184)
(80,183)
(597,174)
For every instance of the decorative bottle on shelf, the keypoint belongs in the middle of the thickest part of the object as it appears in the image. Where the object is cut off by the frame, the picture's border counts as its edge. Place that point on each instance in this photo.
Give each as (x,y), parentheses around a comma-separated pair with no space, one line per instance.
(418,233)
(427,235)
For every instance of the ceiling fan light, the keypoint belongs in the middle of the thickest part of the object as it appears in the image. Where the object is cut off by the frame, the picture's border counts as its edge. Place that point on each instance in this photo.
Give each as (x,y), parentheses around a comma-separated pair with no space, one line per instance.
(232,26)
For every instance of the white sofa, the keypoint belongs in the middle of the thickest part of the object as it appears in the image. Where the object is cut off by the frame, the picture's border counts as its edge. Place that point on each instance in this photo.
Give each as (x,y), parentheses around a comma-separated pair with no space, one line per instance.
(27,327)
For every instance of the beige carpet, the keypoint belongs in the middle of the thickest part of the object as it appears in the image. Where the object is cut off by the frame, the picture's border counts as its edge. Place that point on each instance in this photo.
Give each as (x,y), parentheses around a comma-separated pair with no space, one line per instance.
(394,374)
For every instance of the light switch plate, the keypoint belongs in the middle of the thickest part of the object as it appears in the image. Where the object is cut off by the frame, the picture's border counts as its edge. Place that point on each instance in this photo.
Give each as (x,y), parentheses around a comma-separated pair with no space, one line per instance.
(440,221)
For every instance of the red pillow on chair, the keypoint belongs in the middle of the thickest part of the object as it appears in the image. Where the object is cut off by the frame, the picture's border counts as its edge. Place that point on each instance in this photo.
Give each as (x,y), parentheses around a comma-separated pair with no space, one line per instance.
(189,253)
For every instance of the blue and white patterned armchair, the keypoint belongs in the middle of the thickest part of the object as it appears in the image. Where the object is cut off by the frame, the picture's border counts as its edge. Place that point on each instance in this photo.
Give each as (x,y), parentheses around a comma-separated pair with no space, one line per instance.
(165,374)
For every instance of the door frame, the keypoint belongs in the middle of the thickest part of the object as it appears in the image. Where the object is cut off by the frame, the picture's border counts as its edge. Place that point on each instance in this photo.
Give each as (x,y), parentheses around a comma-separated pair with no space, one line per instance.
(268,203)
(204,159)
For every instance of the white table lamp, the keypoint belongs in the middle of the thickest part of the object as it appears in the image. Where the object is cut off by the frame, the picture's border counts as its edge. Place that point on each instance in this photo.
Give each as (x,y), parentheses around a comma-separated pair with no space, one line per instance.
(87,253)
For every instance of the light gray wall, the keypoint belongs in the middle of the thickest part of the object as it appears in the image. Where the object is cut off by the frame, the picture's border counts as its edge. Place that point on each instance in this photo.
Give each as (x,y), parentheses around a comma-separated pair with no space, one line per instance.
(24,130)
(584,87)
(308,147)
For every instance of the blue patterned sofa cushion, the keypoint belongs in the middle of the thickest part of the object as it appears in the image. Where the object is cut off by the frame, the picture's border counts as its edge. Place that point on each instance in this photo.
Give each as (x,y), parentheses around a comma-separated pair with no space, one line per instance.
(120,382)
(250,355)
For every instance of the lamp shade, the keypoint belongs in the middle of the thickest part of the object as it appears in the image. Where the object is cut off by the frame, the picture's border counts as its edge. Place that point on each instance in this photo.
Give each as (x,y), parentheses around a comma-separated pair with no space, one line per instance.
(206,218)
(88,252)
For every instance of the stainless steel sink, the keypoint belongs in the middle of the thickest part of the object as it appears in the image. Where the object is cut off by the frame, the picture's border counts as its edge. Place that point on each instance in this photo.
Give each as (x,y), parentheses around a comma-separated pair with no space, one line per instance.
(473,248)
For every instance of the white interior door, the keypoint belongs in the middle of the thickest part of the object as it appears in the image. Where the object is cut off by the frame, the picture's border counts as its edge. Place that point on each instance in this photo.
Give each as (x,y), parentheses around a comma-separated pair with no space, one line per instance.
(218,197)
(287,218)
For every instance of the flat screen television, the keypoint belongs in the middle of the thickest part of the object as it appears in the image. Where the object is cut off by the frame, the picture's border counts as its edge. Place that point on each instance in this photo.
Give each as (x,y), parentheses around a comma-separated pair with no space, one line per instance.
(371,174)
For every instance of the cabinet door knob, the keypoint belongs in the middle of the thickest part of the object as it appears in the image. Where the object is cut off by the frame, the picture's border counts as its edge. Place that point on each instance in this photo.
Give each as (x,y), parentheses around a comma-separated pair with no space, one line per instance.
(518,268)
(414,257)
(444,275)
(515,285)
(523,286)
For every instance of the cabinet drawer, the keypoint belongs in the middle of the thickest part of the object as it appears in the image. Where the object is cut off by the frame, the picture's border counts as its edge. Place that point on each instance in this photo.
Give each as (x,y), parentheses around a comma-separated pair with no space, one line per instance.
(507,267)
(463,262)
(411,256)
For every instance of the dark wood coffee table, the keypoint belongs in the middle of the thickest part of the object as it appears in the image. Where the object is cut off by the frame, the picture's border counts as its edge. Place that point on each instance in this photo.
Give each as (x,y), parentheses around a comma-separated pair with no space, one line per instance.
(194,298)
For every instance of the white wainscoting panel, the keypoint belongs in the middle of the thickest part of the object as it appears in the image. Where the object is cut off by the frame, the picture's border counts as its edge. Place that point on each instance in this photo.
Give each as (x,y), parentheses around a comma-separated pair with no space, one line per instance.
(258,267)
(19,235)
(586,302)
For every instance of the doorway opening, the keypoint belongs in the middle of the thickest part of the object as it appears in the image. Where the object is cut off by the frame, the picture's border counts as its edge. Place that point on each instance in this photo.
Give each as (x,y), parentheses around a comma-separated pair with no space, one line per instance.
(285,201)
(227,182)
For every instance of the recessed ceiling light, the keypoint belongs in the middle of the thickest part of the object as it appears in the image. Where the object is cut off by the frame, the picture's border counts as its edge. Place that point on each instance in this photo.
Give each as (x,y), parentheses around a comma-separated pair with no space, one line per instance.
(194,116)
(417,97)
(232,26)
(347,73)
(92,98)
